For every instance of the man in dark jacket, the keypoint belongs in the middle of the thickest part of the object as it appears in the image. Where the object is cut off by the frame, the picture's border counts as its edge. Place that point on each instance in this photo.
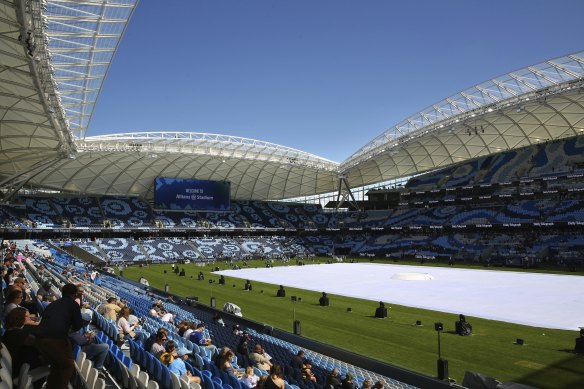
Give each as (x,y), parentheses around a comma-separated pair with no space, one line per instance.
(59,318)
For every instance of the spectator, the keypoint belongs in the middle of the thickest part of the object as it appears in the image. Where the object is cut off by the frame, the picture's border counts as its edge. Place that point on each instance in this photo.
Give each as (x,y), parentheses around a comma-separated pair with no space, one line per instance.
(259,358)
(189,330)
(152,338)
(19,341)
(217,319)
(333,380)
(13,300)
(125,329)
(298,361)
(158,347)
(378,385)
(111,309)
(169,353)
(155,311)
(275,380)
(86,308)
(182,327)
(348,382)
(250,378)
(96,353)
(178,366)
(44,292)
(168,317)
(242,348)
(199,339)
(59,318)
(225,364)
(366,384)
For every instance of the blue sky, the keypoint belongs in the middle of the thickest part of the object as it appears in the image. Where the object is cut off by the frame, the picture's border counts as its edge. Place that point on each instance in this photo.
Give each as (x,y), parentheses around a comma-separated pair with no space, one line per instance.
(323,76)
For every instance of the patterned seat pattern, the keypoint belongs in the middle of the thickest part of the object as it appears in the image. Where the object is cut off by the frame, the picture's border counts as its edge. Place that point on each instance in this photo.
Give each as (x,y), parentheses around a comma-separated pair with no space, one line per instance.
(218,248)
(126,212)
(80,211)
(186,219)
(41,212)
(122,250)
(90,248)
(169,250)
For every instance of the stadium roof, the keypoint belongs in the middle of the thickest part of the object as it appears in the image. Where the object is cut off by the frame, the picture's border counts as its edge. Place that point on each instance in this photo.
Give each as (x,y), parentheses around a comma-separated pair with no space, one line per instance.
(83,36)
(33,130)
(528,106)
(54,57)
(129,163)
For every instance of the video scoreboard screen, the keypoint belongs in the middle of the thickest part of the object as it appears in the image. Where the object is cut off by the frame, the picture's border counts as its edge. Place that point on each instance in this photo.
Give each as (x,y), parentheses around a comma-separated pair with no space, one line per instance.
(185,194)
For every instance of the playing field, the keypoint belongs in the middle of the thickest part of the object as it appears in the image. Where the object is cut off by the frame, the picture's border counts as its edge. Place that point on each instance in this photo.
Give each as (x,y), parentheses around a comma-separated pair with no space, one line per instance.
(535,299)
(545,361)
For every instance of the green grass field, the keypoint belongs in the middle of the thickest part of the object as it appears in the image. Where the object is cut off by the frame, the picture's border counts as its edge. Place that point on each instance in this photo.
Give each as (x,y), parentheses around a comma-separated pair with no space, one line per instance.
(545,361)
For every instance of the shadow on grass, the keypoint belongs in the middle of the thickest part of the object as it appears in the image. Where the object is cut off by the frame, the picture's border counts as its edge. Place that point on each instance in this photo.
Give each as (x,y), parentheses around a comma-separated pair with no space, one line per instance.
(566,374)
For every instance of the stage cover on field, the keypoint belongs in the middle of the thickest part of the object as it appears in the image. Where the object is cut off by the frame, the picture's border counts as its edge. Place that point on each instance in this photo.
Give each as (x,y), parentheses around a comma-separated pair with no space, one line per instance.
(534,299)
(186,194)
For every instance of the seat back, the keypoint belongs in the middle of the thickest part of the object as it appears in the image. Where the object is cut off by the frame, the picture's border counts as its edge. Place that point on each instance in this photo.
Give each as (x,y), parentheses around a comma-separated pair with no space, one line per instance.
(91,377)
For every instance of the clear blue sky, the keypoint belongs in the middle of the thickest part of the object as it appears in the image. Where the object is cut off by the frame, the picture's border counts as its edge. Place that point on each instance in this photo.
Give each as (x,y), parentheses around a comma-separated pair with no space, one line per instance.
(323,76)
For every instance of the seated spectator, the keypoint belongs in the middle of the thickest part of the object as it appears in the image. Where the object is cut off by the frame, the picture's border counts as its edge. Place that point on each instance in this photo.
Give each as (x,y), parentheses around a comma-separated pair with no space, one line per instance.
(199,339)
(378,385)
(20,284)
(96,353)
(250,378)
(86,308)
(217,319)
(19,341)
(225,364)
(158,347)
(125,329)
(13,300)
(133,319)
(348,382)
(152,338)
(44,291)
(111,309)
(190,328)
(366,383)
(178,366)
(259,358)
(333,380)
(155,311)
(168,317)
(298,361)
(182,327)
(275,380)
(218,360)
(169,353)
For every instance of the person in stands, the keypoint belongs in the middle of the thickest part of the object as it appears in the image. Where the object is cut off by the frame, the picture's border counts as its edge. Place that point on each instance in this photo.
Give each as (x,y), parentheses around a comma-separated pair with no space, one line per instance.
(275,380)
(125,329)
(348,382)
(333,380)
(111,309)
(259,358)
(19,341)
(59,318)
(95,352)
(178,366)
(199,339)
(158,347)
